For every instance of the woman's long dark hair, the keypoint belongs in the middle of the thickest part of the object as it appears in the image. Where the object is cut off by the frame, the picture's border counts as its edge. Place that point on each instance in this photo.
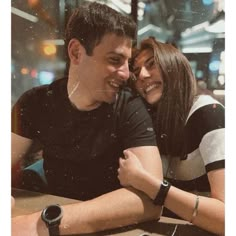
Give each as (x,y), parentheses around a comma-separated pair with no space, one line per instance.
(179,89)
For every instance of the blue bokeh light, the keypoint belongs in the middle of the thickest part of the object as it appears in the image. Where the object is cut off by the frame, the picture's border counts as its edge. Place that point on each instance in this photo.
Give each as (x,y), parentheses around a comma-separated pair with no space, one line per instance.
(45,77)
(214,66)
(207,2)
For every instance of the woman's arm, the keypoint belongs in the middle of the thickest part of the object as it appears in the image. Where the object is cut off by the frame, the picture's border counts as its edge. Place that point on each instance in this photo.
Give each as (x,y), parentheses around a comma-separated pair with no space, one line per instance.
(210,212)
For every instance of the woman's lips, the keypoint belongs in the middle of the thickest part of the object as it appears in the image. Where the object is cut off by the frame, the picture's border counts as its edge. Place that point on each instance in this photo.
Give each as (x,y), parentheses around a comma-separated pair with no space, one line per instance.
(152,86)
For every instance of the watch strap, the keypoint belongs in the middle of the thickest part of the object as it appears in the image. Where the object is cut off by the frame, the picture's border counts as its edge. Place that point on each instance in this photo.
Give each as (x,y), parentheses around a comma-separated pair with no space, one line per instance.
(54,230)
(162,193)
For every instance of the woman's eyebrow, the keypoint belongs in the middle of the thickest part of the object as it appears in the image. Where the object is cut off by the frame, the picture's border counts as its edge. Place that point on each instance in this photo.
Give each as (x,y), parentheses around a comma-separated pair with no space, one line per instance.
(135,68)
(149,59)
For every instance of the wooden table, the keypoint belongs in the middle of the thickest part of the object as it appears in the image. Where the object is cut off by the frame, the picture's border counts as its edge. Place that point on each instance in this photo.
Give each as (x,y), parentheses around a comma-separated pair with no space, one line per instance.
(28,202)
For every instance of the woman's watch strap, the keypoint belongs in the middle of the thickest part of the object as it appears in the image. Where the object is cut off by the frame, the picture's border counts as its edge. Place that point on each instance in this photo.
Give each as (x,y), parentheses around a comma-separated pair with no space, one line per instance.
(162,193)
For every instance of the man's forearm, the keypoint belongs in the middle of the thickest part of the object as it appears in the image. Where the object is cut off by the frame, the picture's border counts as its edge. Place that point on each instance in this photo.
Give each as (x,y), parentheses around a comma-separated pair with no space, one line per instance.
(112,210)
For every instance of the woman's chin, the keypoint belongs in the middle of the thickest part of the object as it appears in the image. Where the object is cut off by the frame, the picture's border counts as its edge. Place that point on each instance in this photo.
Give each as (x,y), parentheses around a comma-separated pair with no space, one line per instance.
(152,98)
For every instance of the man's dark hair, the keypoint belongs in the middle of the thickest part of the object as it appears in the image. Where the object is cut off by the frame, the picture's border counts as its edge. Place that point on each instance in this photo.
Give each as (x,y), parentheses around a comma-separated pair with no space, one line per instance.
(91,21)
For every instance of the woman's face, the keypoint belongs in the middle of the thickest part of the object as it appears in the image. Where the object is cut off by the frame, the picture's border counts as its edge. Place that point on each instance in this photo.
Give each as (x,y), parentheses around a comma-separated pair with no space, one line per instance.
(149,78)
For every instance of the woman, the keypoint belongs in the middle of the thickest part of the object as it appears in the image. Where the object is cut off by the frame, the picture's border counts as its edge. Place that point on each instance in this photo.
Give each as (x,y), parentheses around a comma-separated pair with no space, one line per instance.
(190,136)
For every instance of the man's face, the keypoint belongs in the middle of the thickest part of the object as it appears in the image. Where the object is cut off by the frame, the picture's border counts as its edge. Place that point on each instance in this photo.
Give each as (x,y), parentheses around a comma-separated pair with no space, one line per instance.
(103,73)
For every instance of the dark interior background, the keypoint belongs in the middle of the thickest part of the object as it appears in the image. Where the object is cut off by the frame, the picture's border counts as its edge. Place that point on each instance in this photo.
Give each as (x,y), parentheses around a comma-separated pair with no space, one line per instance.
(196,27)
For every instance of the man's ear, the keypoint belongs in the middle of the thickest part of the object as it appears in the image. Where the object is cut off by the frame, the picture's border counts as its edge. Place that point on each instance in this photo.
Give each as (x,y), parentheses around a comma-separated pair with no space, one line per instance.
(74,51)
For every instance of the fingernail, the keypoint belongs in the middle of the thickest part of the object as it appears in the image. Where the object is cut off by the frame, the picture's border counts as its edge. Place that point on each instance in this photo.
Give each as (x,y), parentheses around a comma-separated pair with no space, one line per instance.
(126,151)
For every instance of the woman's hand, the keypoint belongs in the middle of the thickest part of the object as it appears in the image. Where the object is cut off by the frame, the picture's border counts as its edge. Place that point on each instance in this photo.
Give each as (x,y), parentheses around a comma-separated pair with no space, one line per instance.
(131,170)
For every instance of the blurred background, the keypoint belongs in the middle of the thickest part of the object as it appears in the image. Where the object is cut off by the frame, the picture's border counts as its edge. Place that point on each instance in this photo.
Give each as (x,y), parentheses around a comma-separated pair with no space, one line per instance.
(196,27)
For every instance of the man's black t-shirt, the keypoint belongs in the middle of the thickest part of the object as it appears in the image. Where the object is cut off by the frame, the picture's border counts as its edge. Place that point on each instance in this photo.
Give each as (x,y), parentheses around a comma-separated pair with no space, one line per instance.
(81,148)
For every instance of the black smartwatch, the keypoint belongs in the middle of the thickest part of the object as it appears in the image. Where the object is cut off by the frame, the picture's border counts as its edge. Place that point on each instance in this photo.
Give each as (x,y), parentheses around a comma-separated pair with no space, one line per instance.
(52,216)
(161,195)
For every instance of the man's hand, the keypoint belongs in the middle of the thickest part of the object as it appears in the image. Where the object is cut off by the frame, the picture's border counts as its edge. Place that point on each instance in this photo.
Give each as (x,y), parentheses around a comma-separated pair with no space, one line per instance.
(28,225)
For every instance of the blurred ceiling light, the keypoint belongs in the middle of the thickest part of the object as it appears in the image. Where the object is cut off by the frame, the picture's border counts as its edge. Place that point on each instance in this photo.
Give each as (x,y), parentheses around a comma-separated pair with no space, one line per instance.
(123,6)
(194,29)
(140,12)
(219,92)
(222,56)
(217,24)
(24,15)
(199,38)
(217,27)
(141,4)
(197,50)
(149,27)
(200,26)
(221,79)
(54,41)
(221,5)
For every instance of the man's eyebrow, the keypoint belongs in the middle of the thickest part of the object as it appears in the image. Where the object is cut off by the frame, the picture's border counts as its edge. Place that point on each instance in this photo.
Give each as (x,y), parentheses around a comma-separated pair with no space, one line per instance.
(118,54)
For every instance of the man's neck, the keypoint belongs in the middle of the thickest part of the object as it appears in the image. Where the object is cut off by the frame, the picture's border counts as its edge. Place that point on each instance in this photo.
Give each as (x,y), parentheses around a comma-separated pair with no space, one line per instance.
(79,98)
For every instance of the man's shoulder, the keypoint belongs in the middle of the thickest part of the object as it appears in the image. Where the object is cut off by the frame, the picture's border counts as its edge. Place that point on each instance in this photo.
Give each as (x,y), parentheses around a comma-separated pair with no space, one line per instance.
(134,122)
(130,106)
(40,95)
(45,90)
(127,97)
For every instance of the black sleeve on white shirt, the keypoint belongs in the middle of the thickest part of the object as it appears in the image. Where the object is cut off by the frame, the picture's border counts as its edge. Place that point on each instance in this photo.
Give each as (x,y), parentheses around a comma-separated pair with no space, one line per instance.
(203,121)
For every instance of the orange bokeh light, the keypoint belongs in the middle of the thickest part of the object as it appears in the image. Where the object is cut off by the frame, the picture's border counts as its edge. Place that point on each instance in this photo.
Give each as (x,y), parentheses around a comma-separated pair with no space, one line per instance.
(24,71)
(33,3)
(49,49)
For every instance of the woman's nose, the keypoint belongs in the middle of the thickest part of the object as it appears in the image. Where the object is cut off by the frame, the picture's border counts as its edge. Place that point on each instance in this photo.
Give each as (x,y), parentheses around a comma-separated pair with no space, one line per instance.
(144,73)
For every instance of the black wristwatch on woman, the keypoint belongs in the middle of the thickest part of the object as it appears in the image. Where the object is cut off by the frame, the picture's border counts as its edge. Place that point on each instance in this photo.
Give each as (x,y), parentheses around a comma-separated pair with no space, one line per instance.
(52,216)
(162,193)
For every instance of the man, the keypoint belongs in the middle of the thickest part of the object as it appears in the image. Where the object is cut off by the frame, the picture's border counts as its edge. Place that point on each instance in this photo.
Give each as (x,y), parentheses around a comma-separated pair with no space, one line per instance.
(84,130)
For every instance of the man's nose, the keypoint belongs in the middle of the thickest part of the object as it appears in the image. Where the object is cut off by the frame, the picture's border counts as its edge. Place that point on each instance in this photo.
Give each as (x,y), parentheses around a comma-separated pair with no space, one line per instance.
(123,71)
(144,73)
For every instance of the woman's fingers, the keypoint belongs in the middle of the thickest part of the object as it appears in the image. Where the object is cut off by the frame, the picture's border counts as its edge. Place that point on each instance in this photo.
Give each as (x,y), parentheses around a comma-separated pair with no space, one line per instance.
(127,154)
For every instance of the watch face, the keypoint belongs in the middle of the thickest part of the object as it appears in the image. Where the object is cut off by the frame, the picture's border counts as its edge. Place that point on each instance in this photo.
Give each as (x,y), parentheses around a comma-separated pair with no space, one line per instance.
(52,214)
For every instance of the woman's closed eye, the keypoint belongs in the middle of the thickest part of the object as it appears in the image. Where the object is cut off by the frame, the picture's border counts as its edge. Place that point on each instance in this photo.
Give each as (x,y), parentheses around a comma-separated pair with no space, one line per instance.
(150,63)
